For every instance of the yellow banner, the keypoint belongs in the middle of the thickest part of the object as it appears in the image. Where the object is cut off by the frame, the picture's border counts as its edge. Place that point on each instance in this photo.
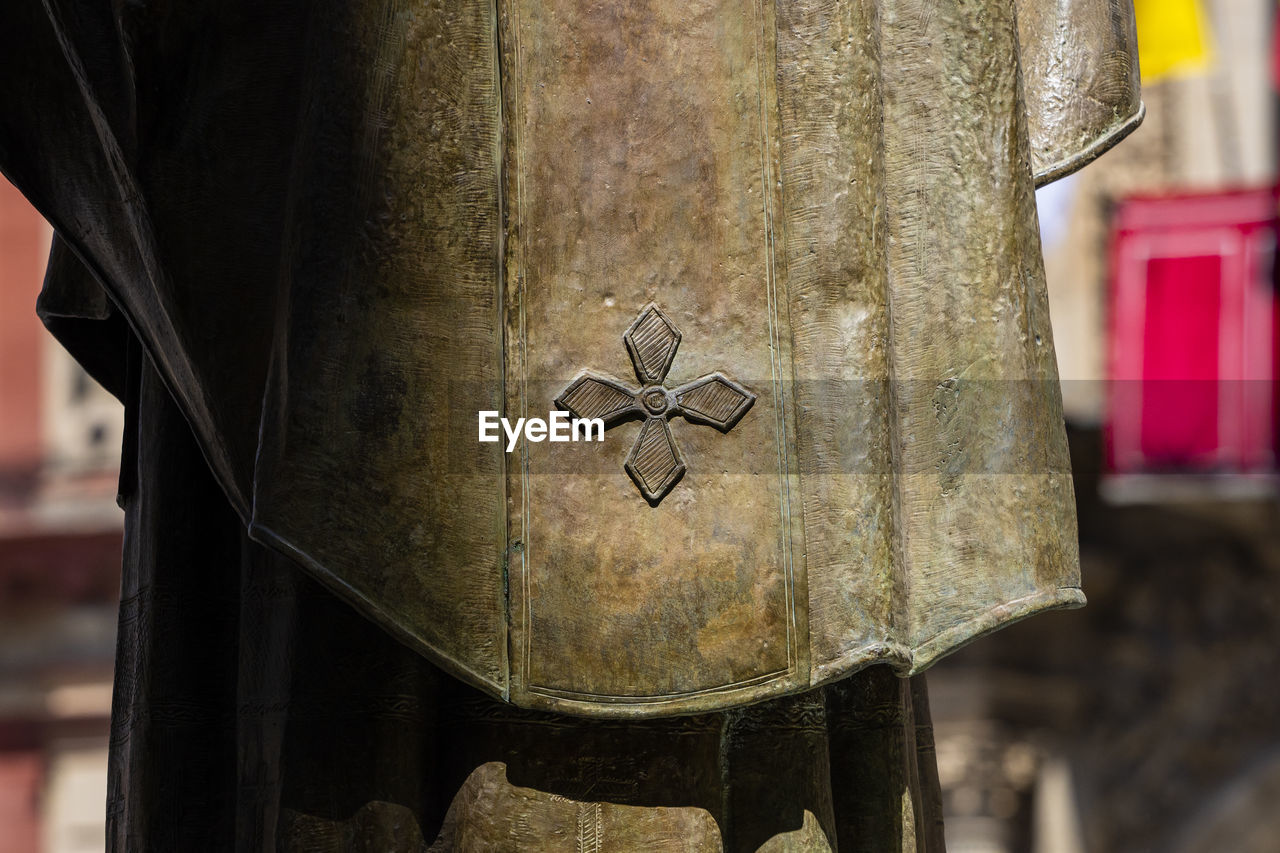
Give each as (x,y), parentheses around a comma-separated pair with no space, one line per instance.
(1173,38)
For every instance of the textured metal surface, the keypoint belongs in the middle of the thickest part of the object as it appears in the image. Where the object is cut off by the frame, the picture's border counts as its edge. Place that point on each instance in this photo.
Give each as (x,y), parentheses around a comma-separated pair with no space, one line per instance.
(642,169)
(1079,63)
(902,484)
(469,205)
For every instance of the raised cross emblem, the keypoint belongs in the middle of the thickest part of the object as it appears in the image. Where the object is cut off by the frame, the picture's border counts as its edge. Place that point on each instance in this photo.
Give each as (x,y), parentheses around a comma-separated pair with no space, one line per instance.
(655,463)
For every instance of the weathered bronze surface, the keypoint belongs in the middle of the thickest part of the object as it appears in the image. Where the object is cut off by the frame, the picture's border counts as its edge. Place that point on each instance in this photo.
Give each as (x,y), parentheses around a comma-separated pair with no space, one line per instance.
(1080,79)
(832,202)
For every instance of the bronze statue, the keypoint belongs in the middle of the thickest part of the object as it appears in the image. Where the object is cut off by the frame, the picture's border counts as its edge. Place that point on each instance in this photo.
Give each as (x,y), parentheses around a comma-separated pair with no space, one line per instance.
(309,242)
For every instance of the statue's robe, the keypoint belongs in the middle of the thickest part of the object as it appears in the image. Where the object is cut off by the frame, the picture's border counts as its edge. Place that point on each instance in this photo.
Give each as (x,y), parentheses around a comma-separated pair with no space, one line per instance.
(306,241)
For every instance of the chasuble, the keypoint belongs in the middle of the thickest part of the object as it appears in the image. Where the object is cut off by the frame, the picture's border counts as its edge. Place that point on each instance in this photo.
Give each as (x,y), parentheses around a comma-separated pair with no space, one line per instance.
(785,251)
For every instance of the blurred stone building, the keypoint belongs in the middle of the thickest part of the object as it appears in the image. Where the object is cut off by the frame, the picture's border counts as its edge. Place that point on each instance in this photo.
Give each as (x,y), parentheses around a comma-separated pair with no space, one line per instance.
(60,541)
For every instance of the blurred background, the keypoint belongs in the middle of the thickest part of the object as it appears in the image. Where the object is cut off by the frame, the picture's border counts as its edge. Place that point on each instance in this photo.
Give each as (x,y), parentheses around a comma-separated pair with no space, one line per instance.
(60,541)
(1149,721)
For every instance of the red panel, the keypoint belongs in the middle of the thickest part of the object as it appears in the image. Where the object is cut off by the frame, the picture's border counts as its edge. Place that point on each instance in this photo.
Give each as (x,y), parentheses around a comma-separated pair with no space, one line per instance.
(22,261)
(20,780)
(1192,346)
